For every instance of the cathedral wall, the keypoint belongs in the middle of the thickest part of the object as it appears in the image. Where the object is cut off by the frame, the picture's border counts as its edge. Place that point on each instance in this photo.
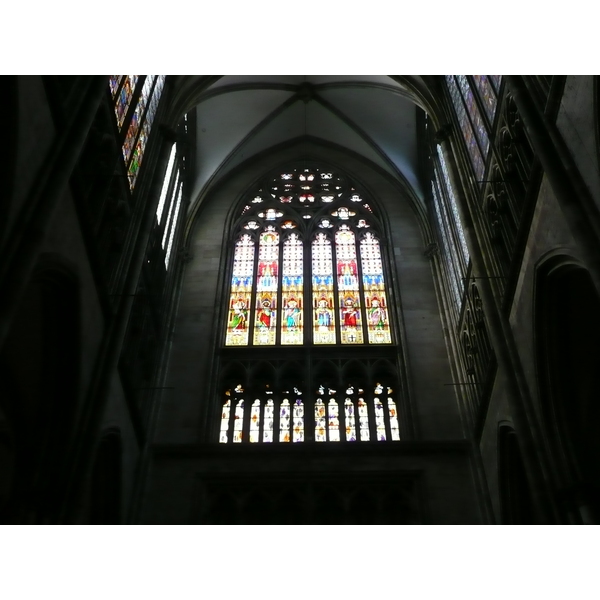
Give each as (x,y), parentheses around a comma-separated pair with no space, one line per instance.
(426,483)
(548,236)
(576,122)
(201,300)
(36,135)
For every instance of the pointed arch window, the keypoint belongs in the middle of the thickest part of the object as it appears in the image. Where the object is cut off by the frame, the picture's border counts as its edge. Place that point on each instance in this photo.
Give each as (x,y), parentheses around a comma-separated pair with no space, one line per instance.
(307,225)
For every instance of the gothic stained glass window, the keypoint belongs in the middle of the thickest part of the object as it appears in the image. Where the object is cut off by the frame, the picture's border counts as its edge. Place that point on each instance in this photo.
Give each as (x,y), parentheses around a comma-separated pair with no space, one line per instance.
(293,212)
(114,81)
(394,428)
(135,111)
(487,95)
(241,288)
(322,270)
(348,289)
(124,97)
(298,433)
(142,141)
(374,291)
(333,421)
(225,422)
(320,422)
(363,418)
(350,420)
(238,422)
(284,421)
(466,127)
(292,288)
(266,288)
(268,422)
(255,421)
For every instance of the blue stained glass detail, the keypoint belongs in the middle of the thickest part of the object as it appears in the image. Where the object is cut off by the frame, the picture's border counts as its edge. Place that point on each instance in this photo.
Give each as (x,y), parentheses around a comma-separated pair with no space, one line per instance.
(487,95)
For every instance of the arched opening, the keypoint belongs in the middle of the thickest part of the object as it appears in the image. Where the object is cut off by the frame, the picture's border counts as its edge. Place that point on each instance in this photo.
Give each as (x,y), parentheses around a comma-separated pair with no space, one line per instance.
(568,334)
(515,495)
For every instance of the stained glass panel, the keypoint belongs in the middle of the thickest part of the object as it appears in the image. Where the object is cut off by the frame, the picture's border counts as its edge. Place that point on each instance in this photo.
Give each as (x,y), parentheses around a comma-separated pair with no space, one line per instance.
(474,113)
(496,80)
(487,95)
(238,422)
(347,278)
(137,118)
(298,421)
(124,98)
(466,128)
(138,154)
(284,421)
(241,290)
(268,422)
(350,420)
(223,438)
(320,422)
(453,206)
(292,287)
(394,428)
(379,420)
(322,283)
(333,421)
(453,277)
(363,419)
(266,288)
(255,421)
(114,81)
(374,291)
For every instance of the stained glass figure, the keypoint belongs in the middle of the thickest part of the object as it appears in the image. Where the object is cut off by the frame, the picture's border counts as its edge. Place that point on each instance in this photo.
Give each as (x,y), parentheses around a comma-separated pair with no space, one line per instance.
(298,432)
(320,422)
(238,422)
(466,127)
(284,421)
(378,325)
(292,288)
(223,438)
(124,98)
(241,291)
(165,186)
(138,154)
(268,422)
(347,279)
(487,95)
(350,420)
(394,428)
(137,118)
(322,284)
(333,421)
(266,288)
(255,421)
(379,420)
(363,419)
(114,81)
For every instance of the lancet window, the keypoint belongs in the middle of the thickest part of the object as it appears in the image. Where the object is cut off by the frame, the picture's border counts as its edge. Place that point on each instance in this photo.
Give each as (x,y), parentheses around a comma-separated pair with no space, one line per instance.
(333,417)
(135,99)
(475,100)
(308,265)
